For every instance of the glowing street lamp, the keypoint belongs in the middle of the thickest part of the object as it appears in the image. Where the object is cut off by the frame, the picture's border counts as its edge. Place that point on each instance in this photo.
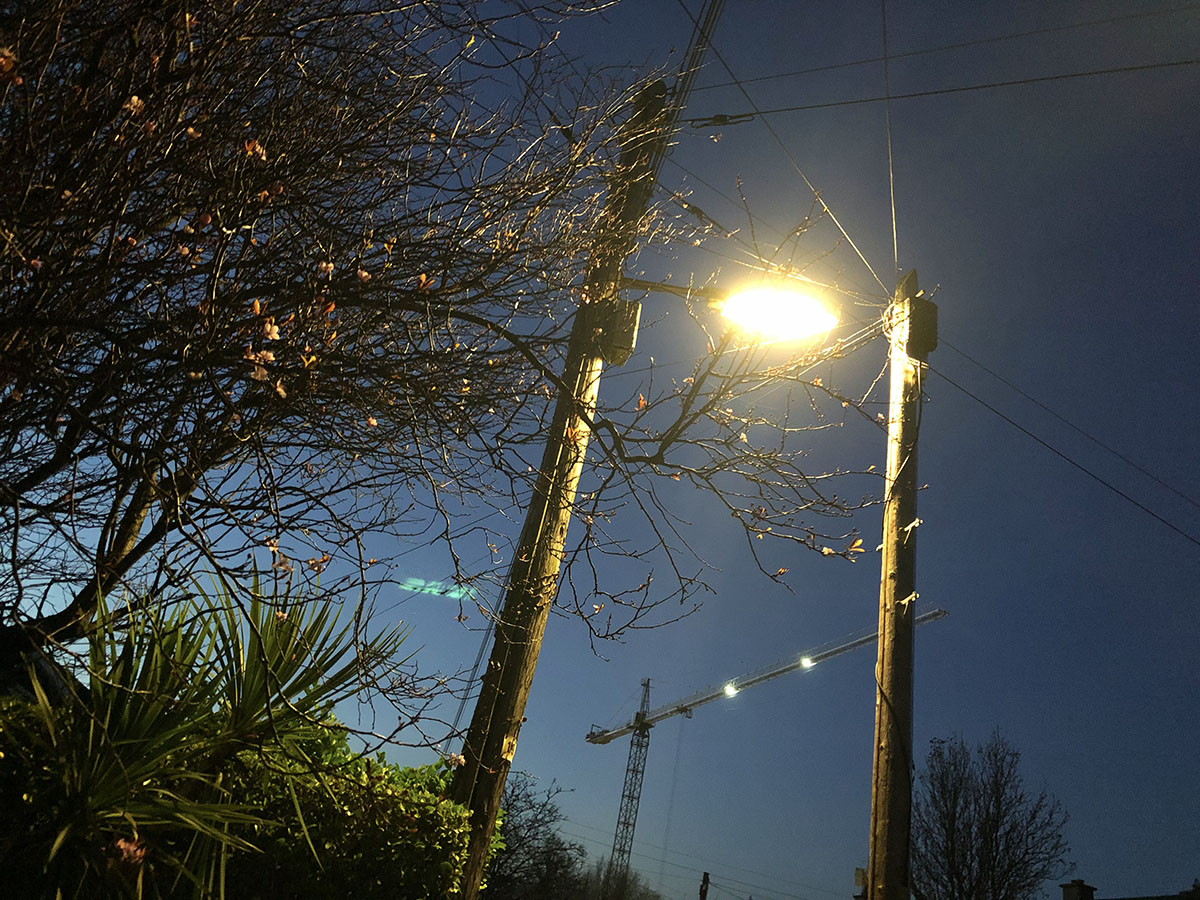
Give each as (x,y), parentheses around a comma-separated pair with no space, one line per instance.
(777,312)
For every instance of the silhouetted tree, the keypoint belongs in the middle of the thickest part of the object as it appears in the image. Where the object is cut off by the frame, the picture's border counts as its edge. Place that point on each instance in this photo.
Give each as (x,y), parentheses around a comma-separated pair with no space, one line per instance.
(977,833)
(536,863)
(599,885)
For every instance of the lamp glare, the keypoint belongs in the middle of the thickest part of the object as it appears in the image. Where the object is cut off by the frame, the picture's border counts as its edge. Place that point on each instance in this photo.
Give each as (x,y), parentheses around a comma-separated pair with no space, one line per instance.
(731,689)
(771,313)
(806,662)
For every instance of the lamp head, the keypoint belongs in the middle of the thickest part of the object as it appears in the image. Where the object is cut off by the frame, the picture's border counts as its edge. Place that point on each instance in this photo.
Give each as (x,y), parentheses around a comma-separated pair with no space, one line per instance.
(771,312)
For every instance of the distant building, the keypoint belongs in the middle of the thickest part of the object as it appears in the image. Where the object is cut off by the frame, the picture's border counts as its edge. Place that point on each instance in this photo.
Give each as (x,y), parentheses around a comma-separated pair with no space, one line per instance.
(1077,890)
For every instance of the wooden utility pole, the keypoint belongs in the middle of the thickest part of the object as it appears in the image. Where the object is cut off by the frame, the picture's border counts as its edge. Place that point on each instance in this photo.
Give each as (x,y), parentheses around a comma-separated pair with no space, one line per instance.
(704,887)
(605,328)
(912,324)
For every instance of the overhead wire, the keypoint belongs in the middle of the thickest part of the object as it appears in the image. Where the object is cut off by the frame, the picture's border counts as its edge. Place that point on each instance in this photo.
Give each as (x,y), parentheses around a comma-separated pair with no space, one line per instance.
(1066,76)
(709,864)
(887,113)
(699,43)
(1068,459)
(730,233)
(754,886)
(1074,427)
(957,46)
(707,861)
(756,260)
(791,158)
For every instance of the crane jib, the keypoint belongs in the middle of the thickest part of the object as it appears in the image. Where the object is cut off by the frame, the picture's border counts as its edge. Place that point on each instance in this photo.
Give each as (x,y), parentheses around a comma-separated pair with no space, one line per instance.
(750,679)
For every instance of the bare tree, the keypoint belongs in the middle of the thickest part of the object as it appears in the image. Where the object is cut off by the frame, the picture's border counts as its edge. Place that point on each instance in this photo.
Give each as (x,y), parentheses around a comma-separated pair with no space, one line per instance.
(978,834)
(290,282)
(536,863)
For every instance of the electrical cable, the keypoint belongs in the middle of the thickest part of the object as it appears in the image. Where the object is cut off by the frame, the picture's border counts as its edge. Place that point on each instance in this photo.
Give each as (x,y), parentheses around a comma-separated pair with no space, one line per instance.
(1063,456)
(699,42)
(787,895)
(757,261)
(695,872)
(958,46)
(710,121)
(887,114)
(666,839)
(706,861)
(791,159)
(1095,440)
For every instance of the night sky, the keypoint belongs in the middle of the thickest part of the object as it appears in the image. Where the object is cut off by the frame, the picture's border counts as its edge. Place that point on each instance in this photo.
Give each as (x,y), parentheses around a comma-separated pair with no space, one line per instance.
(1057,220)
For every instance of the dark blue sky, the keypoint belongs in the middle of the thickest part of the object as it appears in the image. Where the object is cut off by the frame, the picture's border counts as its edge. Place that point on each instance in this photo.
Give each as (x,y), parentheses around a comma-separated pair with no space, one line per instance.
(1058,220)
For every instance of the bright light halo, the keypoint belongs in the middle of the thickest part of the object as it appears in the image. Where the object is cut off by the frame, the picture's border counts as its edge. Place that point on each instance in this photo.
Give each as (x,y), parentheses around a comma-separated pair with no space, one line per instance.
(770,313)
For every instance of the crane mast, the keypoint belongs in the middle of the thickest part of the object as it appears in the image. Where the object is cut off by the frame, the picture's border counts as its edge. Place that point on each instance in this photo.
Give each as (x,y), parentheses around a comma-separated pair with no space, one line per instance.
(631,795)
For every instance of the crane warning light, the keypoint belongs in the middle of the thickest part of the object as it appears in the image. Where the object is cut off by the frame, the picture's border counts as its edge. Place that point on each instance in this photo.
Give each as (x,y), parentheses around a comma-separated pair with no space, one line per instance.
(731,690)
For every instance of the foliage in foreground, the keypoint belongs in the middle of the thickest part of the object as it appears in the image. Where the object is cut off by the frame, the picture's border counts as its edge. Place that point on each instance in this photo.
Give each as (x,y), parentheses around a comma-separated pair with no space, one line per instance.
(201,756)
(353,827)
(978,833)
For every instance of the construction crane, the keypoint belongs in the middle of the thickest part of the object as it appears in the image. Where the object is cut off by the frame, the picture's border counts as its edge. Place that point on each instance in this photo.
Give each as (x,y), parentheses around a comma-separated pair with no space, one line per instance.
(646,718)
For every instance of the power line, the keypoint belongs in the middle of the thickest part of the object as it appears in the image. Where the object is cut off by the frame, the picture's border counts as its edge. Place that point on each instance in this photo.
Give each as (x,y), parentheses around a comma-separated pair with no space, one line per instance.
(887,114)
(1067,459)
(958,46)
(698,43)
(706,861)
(754,887)
(1076,428)
(791,159)
(722,119)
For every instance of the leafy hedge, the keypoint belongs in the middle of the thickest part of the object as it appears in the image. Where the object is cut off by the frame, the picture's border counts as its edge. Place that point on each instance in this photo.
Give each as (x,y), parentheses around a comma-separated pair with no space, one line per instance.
(361,828)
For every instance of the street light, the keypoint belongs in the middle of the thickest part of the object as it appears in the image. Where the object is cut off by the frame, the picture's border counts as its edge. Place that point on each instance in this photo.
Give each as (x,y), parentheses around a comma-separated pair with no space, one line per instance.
(777,312)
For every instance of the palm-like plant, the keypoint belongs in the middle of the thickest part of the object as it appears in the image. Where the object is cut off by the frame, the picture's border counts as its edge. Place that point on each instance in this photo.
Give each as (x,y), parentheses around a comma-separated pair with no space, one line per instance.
(119,784)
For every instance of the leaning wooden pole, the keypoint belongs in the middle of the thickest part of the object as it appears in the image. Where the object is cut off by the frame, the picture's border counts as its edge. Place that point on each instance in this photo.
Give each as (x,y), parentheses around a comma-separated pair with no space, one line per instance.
(605,328)
(912,323)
